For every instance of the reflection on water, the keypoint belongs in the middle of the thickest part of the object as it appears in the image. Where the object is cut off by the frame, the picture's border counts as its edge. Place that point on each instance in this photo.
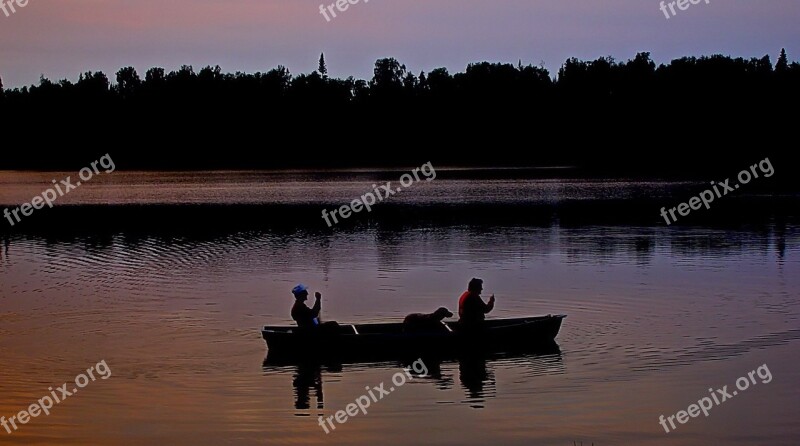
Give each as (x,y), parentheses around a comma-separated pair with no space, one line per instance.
(306,187)
(657,315)
(475,377)
(475,373)
(306,378)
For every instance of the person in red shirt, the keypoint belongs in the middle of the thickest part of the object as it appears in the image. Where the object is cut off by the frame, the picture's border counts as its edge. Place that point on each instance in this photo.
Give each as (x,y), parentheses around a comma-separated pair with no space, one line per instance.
(471,308)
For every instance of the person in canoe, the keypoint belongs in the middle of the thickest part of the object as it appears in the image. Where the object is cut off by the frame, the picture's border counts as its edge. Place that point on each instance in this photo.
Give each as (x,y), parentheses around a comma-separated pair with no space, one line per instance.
(471,308)
(309,317)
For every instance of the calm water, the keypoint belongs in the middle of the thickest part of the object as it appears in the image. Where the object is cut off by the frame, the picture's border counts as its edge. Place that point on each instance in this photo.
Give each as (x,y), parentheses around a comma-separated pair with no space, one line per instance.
(656,316)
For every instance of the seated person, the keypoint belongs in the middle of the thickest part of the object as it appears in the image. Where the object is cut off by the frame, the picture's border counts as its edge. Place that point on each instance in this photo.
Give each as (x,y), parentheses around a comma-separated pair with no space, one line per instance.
(309,317)
(471,308)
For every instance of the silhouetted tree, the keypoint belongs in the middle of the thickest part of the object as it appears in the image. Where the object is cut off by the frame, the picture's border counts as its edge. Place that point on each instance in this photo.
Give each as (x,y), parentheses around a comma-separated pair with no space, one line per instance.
(128,82)
(423,81)
(783,62)
(360,90)
(184,77)
(487,104)
(440,83)
(323,69)
(410,83)
(210,75)
(276,81)
(487,82)
(763,66)
(154,76)
(93,86)
(388,77)
(640,71)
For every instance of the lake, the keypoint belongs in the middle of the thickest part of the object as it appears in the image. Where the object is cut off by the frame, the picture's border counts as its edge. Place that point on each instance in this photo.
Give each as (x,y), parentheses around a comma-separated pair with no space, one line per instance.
(168,277)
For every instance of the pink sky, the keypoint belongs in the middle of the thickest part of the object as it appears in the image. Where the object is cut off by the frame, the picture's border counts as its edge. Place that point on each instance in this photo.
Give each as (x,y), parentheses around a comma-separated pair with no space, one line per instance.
(61,38)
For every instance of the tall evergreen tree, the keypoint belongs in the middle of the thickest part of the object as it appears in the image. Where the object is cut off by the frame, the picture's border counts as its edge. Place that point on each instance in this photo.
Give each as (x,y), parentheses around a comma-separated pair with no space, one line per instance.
(323,69)
(783,63)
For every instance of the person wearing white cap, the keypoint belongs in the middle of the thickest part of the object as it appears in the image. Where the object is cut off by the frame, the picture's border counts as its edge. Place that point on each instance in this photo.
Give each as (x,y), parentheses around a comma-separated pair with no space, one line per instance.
(304,316)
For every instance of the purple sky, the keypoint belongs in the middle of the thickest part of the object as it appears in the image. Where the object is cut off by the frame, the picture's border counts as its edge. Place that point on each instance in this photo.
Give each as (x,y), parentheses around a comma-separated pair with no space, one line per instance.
(61,38)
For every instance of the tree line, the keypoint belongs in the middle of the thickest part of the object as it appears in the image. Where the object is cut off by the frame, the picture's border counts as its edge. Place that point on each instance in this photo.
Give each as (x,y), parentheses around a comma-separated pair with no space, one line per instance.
(163,119)
(494,82)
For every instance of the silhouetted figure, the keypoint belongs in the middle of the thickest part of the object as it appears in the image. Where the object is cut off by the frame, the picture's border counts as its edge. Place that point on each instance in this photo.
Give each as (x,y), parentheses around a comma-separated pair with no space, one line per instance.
(304,316)
(419,322)
(471,308)
(308,318)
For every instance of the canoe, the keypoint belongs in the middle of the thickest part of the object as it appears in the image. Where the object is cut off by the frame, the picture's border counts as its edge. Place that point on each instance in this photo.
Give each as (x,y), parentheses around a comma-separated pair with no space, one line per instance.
(389,339)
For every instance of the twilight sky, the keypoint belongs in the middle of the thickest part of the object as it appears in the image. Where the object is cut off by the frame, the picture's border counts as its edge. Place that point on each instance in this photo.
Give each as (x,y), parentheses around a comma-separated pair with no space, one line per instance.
(61,38)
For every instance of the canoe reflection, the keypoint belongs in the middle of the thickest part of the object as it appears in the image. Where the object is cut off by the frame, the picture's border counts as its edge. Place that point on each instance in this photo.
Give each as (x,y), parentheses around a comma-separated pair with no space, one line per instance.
(475,372)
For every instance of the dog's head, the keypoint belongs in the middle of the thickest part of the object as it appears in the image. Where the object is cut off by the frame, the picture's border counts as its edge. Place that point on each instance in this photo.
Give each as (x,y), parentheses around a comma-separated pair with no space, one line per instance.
(442,313)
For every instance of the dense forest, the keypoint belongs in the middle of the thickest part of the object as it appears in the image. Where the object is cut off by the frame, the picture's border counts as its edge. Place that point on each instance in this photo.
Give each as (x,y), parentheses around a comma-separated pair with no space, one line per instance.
(628,117)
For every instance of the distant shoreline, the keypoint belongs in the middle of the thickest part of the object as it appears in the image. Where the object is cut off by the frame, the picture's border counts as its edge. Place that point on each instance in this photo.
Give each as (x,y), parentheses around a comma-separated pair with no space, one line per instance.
(217,219)
(686,119)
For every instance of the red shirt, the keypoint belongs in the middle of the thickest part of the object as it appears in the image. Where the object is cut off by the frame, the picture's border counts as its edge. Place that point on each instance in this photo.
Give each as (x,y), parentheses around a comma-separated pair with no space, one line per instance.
(471,308)
(461,301)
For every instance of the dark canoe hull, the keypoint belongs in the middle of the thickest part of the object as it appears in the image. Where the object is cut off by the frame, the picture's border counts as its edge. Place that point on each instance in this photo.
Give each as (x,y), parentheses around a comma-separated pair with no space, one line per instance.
(373,341)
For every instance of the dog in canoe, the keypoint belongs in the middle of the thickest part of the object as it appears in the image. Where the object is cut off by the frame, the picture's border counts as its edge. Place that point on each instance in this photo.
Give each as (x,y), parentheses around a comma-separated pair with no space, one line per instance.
(426,323)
